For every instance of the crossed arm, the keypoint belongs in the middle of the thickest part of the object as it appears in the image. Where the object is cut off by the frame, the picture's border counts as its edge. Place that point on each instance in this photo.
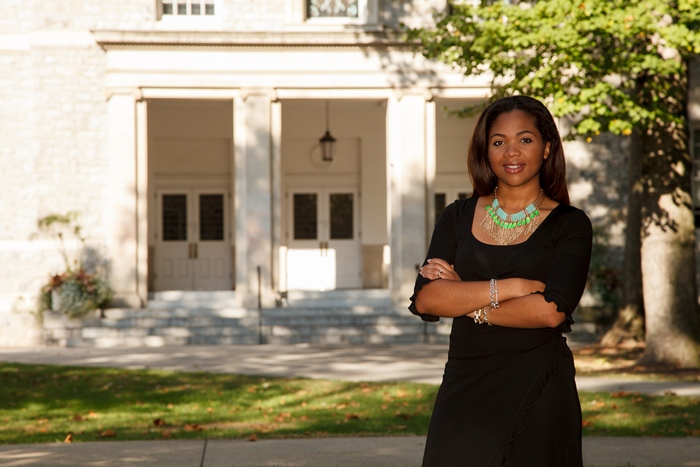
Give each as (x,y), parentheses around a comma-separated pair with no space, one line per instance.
(451,297)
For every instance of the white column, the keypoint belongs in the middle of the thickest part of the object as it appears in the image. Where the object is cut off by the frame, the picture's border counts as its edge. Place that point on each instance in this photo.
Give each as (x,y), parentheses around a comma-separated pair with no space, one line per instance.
(142,200)
(123,232)
(276,177)
(406,153)
(240,135)
(393,175)
(430,165)
(253,198)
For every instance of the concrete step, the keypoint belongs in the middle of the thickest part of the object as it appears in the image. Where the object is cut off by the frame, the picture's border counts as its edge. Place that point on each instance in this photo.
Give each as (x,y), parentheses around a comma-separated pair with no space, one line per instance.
(331,298)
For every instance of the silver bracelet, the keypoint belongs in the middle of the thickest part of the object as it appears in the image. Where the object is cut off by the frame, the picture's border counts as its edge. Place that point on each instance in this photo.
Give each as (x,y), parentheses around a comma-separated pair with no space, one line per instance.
(493,293)
(481,315)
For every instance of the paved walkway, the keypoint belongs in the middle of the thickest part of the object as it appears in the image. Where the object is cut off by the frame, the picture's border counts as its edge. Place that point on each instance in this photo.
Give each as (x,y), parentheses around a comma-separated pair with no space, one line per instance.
(421,363)
(332,452)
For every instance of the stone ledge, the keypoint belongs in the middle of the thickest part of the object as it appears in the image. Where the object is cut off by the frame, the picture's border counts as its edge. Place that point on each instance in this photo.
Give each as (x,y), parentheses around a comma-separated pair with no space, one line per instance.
(351,38)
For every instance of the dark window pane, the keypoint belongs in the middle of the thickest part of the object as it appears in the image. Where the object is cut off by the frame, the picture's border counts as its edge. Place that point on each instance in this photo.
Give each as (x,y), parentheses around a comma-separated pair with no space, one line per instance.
(461,196)
(305,216)
(167,8)
(211,217)
(182,8)
(174,218)
(341,216)
(208,8)
(440,204)
(332,8)
(196,9)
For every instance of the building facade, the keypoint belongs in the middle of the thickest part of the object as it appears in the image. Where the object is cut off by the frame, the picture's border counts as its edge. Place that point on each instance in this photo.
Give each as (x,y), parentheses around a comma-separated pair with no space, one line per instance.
(186,134)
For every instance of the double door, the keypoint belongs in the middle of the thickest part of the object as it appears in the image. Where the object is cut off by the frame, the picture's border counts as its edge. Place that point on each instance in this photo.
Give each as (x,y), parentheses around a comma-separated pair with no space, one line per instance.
(324,250)
(192,241)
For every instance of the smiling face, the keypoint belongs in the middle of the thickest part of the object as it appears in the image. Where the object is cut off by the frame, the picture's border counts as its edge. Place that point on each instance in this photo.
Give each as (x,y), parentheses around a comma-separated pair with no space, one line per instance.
(516,150)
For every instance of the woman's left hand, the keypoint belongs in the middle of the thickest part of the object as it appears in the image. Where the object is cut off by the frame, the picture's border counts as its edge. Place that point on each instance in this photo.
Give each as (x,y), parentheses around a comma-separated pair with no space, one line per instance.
(439,269)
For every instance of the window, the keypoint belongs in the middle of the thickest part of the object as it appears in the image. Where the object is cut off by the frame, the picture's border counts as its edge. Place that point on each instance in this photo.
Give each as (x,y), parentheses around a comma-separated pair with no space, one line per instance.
(441,198)
(170,8)
(331,13)
(332,9)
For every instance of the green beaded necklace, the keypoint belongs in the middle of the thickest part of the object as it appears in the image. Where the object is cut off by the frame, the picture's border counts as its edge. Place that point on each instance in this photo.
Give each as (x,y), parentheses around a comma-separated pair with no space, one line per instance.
(506,228)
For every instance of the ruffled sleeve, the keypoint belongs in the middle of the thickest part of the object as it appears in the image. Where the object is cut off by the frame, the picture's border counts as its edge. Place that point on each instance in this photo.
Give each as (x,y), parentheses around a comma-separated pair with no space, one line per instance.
(443,245)
(569,269)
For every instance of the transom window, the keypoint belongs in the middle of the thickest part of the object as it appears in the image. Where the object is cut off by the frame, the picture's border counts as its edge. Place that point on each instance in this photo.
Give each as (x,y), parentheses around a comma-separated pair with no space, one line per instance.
(188,7)
(332,9)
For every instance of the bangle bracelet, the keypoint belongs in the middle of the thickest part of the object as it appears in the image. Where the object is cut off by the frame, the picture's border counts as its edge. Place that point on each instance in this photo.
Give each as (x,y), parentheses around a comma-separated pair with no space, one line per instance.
(493,293)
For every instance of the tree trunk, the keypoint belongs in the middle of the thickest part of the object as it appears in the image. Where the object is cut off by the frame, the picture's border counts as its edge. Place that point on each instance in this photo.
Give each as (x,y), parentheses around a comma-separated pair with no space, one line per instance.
(629,324)
(668,242)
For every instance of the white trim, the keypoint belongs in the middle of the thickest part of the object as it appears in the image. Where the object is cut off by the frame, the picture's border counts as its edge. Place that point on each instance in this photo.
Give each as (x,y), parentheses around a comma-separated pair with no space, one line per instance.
(334,93)
(345,181)
(189,93)
(195,181)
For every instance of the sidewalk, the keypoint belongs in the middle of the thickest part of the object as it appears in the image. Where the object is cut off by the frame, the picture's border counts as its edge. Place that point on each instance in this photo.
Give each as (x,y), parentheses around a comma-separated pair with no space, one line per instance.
(421,363)
(415,362)
(331,452)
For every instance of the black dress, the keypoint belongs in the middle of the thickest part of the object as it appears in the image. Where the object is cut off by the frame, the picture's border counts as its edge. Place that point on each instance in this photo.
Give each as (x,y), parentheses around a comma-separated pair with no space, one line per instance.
(508,396)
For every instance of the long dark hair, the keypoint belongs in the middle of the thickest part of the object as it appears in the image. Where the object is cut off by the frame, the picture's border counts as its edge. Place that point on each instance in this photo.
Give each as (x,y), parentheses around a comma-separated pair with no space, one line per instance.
(553,171)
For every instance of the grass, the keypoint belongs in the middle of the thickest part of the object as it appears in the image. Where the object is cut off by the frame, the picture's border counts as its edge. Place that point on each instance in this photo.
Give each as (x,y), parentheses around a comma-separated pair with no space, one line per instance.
(43,403)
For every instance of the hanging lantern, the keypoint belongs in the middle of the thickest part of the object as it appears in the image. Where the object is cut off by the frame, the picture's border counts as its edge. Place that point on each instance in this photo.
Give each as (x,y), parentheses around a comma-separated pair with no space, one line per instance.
(327,140)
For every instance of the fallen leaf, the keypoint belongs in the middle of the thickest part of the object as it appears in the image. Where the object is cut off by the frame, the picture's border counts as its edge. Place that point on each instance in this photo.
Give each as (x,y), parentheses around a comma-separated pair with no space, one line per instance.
(586,423)
(107,434)
(166,434)
(351,416)
(92,414)
(210,410)
(69,438)
(159,422)
(670,393)
(253,437)
(77,417)
(193,427)
(170,406)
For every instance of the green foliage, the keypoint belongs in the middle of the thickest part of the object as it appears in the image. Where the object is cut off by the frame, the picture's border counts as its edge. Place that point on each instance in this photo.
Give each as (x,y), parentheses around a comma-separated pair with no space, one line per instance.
(57,226)
(633,414)
(604,63)
(43,404)
(79,291)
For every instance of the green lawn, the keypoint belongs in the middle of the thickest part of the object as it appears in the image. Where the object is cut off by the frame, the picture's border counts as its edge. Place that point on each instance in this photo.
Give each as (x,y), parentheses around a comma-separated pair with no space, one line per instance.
(42,403)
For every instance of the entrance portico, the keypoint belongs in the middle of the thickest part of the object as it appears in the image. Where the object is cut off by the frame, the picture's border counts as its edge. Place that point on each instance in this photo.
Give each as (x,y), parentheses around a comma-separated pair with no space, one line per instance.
(374,207)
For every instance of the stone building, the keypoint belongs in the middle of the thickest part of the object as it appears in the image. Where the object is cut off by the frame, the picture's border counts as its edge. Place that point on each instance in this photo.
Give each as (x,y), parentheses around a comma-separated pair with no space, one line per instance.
(186,134)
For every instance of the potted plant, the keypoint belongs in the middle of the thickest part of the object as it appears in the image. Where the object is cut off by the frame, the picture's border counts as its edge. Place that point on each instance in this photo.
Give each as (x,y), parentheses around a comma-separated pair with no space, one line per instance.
(74,292)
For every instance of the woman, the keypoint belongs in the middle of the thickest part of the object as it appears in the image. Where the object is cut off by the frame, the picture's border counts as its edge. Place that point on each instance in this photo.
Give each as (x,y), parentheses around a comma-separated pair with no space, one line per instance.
(510,265)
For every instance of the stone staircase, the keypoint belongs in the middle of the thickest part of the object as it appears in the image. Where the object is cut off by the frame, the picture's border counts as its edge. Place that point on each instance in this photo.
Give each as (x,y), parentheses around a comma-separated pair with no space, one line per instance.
(210,318)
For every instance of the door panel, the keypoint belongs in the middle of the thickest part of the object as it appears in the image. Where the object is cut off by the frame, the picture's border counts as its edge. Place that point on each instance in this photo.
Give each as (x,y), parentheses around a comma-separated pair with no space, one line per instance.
(173,268)
(192,240)
(212,247)
(323,245)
